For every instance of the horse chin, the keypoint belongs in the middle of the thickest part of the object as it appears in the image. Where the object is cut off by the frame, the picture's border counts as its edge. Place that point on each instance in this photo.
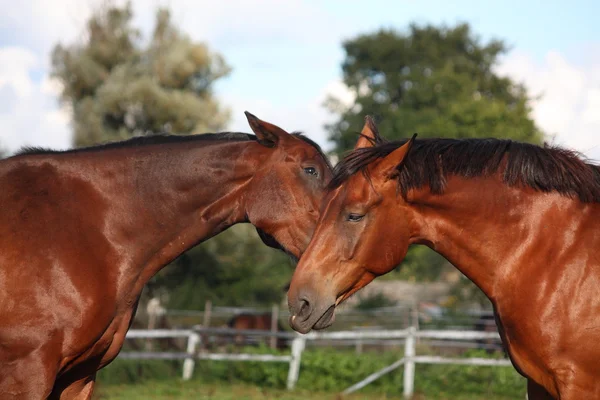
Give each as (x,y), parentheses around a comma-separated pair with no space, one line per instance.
(273,243)
(326,319)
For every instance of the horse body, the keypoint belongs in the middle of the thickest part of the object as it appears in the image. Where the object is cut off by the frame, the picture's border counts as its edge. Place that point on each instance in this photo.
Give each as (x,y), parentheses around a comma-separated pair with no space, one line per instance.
(520,221)
(532,269)
(81,232)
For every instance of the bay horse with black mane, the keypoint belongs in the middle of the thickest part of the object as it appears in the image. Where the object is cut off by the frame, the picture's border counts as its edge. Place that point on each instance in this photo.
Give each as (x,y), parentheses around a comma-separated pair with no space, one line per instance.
(521,221)
(82,231)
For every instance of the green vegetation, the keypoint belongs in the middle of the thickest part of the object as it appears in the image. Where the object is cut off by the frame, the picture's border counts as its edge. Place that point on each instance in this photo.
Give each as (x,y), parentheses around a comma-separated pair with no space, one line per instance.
(322,371)
(234,268)
(193,390)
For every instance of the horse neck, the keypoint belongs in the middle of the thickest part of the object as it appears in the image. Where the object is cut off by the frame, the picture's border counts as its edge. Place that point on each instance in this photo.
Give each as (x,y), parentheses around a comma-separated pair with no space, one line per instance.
(485,228)
(168,198)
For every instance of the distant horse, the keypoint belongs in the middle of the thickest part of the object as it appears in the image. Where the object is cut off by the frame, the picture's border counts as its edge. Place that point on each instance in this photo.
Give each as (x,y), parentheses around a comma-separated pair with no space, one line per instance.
(487,323)
(82,231)
(521,221)
(252,321)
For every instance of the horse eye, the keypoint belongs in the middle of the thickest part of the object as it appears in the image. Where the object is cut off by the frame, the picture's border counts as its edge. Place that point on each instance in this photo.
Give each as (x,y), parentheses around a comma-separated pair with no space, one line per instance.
(311,171)
(354,217)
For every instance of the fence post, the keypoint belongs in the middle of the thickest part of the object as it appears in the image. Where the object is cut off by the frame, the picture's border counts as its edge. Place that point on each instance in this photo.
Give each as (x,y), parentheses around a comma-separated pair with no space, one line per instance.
(155,312)
(274,321)
(358,346)
(409,365)
(188,363)
(298,345)
(415,319)
(207,312)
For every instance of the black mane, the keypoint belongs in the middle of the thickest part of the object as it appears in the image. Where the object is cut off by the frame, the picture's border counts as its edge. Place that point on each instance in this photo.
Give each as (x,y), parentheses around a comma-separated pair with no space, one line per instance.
(430,161)
(162,139)
(143,141)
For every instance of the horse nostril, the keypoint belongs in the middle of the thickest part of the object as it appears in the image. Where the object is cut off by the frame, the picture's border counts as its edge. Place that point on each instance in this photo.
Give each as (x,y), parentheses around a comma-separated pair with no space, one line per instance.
(304,310)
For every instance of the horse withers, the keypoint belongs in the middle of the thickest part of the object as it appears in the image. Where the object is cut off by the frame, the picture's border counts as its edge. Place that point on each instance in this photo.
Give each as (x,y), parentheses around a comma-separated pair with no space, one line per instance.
(82,231)
(521,221)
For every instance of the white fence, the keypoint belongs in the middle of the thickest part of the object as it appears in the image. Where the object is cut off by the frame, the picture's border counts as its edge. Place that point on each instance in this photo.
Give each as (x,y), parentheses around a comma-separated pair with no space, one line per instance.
(194,338)
(409,360)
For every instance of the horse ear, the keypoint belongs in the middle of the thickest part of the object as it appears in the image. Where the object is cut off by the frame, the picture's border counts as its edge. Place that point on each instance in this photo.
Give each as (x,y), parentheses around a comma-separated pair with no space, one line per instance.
(267,134)
(369,134)
(388,167)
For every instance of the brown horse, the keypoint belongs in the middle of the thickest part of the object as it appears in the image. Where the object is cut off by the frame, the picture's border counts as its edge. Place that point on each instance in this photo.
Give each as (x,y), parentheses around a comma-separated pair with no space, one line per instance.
(256,321)
(82,231)
(521,221)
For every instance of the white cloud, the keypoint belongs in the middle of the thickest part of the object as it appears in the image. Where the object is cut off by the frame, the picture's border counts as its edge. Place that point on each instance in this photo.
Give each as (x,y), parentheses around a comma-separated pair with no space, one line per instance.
(15,63)
(305,118)
(29,114)
(569,104)
(39,24)
(309,118)
(338,90)
(250,23)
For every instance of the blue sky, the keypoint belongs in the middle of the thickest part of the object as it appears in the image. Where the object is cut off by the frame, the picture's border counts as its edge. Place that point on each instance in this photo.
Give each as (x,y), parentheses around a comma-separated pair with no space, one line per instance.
(286,57)
(533,28)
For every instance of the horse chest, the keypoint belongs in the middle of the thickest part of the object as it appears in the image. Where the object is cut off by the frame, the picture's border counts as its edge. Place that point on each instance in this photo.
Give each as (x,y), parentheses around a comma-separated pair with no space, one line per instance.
(116,338)
(522,342)
(102,351)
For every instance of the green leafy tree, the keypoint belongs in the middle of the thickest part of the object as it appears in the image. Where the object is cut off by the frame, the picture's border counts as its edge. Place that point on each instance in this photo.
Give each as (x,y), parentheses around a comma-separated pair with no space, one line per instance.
(438,82)
(120,86)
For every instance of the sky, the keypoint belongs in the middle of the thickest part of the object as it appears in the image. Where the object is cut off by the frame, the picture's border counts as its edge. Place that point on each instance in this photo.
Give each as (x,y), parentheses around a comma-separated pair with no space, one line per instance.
(286,55)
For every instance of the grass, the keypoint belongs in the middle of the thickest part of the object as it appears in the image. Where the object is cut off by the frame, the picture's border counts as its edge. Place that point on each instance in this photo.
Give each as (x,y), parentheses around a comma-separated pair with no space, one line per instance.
(178,389)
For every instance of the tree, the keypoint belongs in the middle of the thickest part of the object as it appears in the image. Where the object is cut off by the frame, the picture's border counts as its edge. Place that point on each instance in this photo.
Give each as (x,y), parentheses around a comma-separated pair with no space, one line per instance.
(439,82)
(117,87)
